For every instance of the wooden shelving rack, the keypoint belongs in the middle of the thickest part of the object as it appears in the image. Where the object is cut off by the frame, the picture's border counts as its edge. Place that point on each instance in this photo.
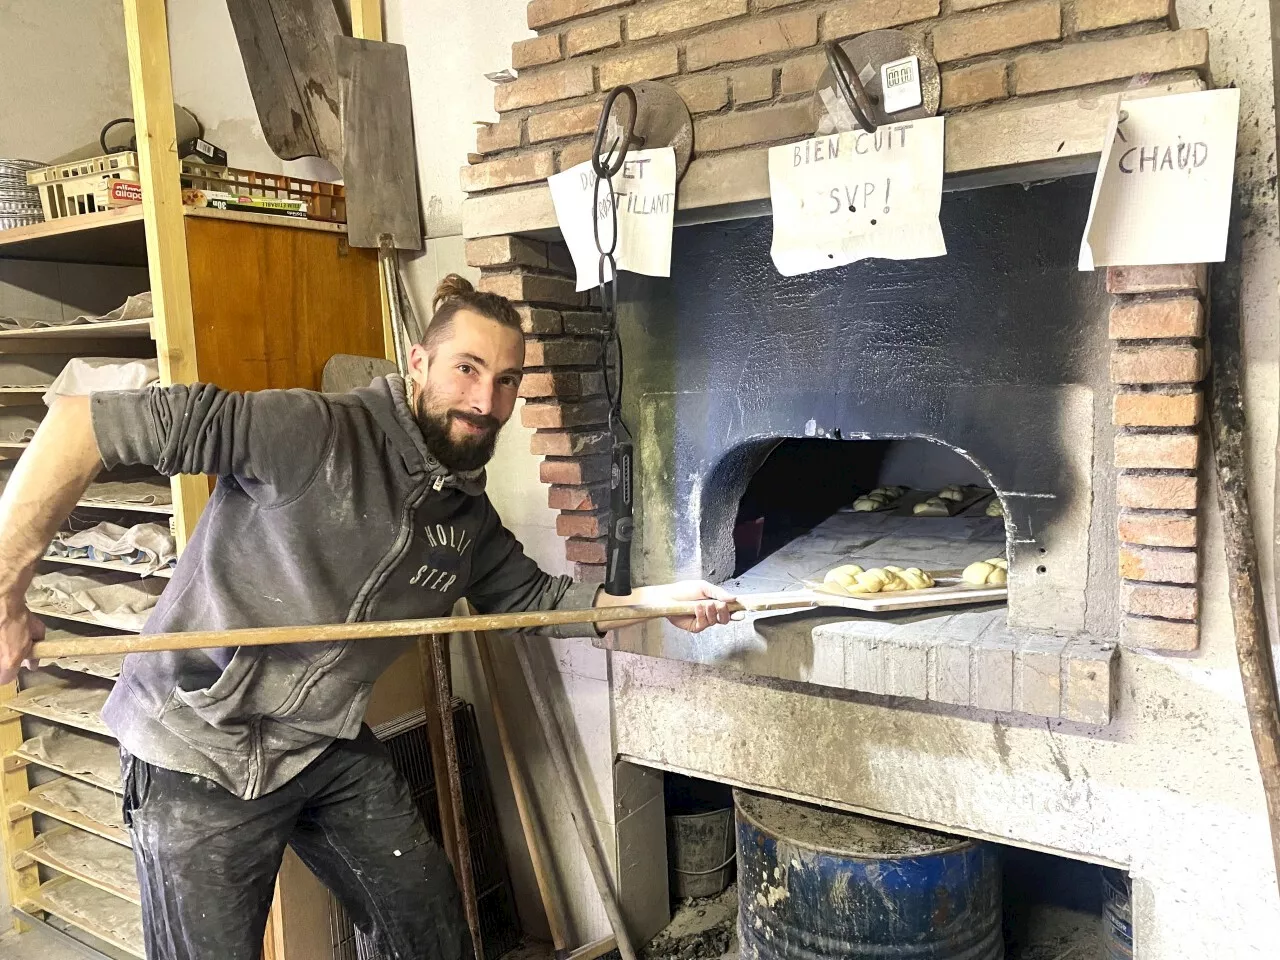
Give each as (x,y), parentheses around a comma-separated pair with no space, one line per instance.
(219,316)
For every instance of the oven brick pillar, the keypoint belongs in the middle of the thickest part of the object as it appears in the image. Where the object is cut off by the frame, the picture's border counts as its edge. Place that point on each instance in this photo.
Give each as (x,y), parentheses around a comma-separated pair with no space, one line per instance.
(1157,329)
(563,387)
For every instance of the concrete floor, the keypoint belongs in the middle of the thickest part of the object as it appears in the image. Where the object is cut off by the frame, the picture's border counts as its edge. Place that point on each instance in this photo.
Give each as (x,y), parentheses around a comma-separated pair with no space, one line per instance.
(33,946)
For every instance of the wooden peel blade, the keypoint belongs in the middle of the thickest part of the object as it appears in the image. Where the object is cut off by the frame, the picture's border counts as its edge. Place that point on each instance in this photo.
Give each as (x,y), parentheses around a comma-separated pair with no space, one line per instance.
(371,630)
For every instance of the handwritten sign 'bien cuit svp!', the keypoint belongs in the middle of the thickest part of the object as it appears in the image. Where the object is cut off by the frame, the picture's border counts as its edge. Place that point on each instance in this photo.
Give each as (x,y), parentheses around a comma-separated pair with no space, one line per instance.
(1163,190)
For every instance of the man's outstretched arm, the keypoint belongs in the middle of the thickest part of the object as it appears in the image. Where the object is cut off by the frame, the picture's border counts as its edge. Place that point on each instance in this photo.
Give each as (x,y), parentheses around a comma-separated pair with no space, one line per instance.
(52,474)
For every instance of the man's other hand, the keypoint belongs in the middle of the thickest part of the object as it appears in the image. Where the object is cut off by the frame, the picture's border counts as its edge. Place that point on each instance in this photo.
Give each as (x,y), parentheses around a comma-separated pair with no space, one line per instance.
(19,628)
(713,603)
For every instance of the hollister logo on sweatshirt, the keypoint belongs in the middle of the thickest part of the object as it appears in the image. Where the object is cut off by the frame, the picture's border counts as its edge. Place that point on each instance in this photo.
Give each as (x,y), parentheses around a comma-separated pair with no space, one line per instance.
(443,538)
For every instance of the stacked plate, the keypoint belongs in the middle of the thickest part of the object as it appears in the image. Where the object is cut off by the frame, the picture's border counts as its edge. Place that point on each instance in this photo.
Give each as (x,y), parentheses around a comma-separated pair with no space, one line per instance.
(19,203)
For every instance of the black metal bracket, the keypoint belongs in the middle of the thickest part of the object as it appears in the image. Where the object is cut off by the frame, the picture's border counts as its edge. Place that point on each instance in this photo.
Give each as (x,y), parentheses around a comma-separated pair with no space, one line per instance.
(851,87)
(608,167)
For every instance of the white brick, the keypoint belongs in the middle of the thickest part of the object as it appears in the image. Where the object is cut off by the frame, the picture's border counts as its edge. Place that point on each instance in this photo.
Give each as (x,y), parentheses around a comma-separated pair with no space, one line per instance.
(949,673)
(864,665)
(1038,677)
(1087,669)
(991,680)
(906,668)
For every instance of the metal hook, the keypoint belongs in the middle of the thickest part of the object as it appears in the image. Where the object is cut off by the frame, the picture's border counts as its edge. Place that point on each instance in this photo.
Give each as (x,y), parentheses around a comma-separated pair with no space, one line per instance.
(608,168)
(850,86)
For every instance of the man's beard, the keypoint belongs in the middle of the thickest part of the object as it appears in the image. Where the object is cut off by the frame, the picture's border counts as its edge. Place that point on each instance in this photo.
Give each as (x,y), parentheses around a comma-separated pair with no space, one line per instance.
(469,453)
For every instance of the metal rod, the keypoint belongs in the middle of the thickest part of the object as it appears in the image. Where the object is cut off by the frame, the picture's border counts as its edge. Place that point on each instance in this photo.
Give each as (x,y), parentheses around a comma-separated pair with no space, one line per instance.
(577,804)
(466,875)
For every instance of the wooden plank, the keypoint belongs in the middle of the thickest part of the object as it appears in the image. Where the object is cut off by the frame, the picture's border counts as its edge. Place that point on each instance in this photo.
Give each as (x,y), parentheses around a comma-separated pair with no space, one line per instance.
(119,880)
(40,801)
(266,219)
(146,33)
(284,118)
(119,566)
(43,702)
(24,757)
(296,298)
(113,237)
(1012,137)
(21,881)
(76,617)
(88,909)
(107,329)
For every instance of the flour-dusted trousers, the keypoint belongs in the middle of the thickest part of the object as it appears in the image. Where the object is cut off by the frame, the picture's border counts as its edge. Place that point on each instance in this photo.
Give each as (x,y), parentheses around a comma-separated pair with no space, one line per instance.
(207,860)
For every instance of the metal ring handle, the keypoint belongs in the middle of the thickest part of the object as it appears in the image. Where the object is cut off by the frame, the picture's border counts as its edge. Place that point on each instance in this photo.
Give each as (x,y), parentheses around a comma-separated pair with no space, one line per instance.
(602,168)
(850,86)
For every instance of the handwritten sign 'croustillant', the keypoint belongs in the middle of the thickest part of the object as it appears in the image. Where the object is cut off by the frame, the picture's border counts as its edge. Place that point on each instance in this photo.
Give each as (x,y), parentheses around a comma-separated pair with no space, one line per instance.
(1163,190)
(849,196)
(644,199)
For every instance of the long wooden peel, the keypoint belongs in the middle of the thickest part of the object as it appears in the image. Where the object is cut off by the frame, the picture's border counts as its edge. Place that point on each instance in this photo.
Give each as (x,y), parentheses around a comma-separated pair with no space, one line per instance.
(329,632)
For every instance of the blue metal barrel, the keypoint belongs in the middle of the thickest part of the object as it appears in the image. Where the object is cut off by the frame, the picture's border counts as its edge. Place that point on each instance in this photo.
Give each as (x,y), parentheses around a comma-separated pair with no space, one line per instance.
(815,883)
(1117,916)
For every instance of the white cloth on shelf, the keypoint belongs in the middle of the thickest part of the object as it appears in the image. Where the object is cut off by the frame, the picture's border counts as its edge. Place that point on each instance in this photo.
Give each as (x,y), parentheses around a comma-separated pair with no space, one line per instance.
(137,307)
(149,546)
(147,491)
(83,375)
(124,606)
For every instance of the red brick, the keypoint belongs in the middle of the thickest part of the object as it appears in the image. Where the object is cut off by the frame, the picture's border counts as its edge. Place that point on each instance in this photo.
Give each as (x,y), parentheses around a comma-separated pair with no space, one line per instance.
(1173,364)
(703,94)
(555,415)
(562,352)
(569,122)
(1159,492)
(540,385)
(1165,278)
(801,74)
(531,288)
(539,319)
(592,37)
(503,135)
(522,168)
(574,471)
(1153,319)
(589,572)
(960,38)
(535,51)
(584,322)
(858,16)
(561,82)
(586,551)
(594,497)
(576,524)
(1175,636)
(1100,14)
(1158,566)
(547,13)
(752,84)
(1157,409)
(725,131)
(575,153)
(569,443)
(756,37)
(1157,530)
(1158,451)
(1171,602)
(1080,64)
(650,64)
(663,18)
(980,83)
(504,251)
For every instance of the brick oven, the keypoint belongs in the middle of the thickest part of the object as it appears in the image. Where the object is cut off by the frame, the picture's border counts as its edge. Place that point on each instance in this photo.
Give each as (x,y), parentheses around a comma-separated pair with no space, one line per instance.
(1075,396)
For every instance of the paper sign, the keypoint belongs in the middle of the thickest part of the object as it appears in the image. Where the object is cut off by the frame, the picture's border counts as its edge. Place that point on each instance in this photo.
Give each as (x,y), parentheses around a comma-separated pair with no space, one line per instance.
(644,197)
(1163,190)
(849,196)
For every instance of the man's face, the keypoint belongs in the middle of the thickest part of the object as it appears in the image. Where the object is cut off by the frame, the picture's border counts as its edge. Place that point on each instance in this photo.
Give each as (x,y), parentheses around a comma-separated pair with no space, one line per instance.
(467,388)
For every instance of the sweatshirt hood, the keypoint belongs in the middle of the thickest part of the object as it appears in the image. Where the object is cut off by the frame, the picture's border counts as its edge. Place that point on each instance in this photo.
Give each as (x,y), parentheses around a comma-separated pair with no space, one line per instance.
(387,398)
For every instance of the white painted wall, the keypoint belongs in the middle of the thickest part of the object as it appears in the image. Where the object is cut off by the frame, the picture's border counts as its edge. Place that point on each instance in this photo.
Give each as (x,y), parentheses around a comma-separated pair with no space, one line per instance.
(63,74)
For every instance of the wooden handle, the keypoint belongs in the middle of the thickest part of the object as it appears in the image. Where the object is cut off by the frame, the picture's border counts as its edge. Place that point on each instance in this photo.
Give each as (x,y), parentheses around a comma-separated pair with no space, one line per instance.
(330,632)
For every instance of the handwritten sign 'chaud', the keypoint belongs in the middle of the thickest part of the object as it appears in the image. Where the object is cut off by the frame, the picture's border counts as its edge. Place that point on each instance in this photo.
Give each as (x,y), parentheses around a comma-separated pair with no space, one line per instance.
(1163,190)
(848,196)
(643,196)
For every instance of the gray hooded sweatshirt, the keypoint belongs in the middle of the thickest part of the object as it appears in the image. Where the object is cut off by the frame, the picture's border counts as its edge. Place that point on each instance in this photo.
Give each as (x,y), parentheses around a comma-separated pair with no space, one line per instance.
(328,508)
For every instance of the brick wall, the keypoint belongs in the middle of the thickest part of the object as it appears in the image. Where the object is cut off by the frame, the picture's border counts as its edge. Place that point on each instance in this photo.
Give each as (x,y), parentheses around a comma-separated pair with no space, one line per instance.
(747,70)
